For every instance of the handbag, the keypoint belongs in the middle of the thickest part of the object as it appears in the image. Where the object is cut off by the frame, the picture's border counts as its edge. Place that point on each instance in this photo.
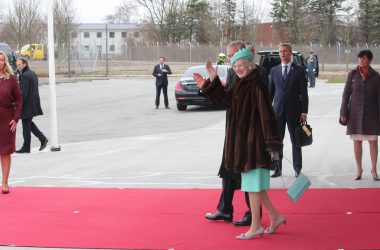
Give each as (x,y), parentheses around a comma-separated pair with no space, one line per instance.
(298,188)
(303,135)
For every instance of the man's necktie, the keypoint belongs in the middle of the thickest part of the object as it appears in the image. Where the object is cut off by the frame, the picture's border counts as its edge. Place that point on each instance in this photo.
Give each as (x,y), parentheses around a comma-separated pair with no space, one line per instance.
(285,73)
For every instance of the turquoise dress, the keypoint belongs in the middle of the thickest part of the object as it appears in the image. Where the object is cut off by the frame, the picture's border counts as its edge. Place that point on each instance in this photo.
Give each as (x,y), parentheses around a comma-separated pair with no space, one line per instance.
(255,180)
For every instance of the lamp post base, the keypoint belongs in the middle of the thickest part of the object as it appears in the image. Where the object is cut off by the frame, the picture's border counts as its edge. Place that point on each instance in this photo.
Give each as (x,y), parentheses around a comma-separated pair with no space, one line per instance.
(55,149)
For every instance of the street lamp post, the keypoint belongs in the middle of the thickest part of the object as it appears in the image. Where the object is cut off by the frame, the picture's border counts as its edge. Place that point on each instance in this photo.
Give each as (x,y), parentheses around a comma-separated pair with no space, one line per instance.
(53,96)
(68,47)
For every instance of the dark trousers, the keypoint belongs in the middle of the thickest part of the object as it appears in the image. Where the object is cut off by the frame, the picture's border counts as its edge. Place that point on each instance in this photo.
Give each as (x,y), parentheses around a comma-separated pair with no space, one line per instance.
(225,202)
(229,186)
(311,76)
(28,127)
(158,93)
(297,153)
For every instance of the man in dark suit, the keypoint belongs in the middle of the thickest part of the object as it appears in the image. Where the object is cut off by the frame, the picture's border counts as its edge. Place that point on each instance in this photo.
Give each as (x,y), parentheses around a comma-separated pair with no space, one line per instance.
(288,88)
(31,105)
(230,180)
(161,72)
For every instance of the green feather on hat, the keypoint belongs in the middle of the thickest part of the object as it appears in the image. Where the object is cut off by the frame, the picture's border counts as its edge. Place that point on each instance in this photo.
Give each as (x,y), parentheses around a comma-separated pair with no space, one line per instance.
(243,53)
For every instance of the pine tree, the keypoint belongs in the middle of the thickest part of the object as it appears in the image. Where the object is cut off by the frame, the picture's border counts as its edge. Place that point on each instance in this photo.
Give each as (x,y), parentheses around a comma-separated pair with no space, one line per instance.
(324,15)
(364,27)
(290,18)
(374,22)
(229,9)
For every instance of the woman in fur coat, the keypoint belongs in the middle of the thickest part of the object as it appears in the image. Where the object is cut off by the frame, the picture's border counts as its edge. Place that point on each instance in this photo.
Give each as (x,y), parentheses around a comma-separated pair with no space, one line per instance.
(252,137)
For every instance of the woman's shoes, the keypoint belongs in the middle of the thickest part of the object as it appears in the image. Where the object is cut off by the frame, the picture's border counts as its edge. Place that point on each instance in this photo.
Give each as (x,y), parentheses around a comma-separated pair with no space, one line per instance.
(359,177)
(246,236)
(5,191)
(273,229)
(375,178)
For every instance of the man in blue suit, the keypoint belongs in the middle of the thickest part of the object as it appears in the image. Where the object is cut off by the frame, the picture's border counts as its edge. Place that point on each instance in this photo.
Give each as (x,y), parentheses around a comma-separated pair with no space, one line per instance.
(161,72)
(312,62)
(288,88)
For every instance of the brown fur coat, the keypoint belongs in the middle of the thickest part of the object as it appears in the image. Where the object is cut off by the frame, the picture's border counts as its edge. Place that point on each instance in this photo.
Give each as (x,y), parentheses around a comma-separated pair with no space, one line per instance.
(252,129)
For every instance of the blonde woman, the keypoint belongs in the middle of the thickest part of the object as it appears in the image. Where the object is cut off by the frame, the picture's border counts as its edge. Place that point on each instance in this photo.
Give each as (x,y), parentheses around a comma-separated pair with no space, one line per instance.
(10,109)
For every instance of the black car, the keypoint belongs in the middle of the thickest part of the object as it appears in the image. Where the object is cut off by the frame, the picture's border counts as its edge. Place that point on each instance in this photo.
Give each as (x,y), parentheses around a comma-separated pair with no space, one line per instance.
(271,58)
(186,90)
(11,57)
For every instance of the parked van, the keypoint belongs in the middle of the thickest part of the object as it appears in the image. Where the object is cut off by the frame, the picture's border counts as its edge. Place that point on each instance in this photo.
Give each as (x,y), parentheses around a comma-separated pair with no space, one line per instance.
(11,57)
(34,51)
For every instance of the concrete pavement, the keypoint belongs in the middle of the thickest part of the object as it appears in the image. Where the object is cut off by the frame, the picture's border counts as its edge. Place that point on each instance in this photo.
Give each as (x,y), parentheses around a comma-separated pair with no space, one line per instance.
(111,136)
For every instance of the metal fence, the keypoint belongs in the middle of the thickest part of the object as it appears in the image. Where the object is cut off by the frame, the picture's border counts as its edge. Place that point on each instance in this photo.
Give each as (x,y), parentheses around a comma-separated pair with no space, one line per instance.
(139,59)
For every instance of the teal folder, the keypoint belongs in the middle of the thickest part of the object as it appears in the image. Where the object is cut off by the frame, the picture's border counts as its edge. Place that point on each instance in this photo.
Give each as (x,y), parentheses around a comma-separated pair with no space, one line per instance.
(298,188)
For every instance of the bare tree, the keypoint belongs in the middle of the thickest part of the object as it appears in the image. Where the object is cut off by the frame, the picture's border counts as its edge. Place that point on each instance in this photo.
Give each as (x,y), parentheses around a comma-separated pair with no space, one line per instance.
(249,15)
(24,22)
(348,19)
(290,18)
(64,20)
(123,13)
(324,16)
(167,15)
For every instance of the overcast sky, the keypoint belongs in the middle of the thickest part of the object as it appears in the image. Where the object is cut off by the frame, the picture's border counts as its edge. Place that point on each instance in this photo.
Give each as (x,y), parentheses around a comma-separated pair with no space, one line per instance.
(94,11)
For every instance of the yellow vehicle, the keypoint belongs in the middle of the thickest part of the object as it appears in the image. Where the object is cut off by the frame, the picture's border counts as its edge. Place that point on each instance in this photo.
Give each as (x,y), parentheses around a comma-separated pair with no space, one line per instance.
(34,51)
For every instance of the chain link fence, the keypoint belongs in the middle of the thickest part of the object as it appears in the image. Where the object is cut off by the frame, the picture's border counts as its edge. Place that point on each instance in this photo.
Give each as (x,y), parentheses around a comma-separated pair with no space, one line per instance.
(139,60)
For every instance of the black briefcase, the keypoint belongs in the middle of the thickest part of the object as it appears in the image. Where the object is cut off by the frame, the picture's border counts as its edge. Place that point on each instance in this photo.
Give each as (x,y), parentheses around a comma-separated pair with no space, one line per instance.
(303,135)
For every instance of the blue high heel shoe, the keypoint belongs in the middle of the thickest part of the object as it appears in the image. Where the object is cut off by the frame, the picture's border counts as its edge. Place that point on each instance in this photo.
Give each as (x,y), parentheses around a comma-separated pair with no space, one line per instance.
(259,231)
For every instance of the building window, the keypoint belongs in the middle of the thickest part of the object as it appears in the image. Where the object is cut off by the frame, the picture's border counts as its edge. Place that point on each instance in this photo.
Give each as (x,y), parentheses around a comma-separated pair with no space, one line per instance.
(112,47)
(136,34)
(86,34)
(87,47)
(124,34)
(112,34)
(99,34)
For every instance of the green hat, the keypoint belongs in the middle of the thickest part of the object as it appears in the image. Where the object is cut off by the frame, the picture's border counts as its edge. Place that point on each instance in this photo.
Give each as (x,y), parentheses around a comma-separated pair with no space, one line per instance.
(243,53)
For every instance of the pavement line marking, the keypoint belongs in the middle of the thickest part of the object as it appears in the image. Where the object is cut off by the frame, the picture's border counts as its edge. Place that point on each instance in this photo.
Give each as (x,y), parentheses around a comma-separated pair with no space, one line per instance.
(117,150)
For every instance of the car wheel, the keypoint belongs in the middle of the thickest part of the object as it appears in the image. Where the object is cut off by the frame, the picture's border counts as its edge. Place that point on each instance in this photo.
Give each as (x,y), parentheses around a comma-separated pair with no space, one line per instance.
(181,107)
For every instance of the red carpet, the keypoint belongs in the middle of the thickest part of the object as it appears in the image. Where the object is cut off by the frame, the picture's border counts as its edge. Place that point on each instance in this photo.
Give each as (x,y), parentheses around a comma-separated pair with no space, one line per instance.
(174,218)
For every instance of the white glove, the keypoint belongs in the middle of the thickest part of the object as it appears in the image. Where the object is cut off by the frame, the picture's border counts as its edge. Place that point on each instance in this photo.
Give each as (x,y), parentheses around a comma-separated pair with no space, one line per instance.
(275,156)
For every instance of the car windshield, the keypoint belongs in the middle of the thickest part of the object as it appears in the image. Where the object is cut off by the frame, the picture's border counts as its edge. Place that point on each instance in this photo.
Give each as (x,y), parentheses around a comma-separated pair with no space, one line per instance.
(8,52)
(25,47)
(222,72)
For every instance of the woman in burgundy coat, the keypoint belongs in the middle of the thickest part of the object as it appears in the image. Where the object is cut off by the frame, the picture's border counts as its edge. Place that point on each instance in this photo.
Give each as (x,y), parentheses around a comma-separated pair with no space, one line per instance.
(360,110)
(10,109)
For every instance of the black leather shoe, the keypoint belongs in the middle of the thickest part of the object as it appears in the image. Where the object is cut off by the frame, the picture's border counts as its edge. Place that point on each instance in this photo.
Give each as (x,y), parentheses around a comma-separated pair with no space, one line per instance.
(22,151)
(167,107)
(276,174)
(246,221)
(218,216)
(43,144)
(298,173)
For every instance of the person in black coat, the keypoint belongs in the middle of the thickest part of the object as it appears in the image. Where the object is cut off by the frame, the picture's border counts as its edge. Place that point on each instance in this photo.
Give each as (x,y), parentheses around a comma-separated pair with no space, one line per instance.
(161,72)
(31,105)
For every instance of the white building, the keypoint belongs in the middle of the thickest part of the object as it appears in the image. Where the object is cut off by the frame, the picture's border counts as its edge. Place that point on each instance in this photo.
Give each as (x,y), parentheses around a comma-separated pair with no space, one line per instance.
(91,39)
